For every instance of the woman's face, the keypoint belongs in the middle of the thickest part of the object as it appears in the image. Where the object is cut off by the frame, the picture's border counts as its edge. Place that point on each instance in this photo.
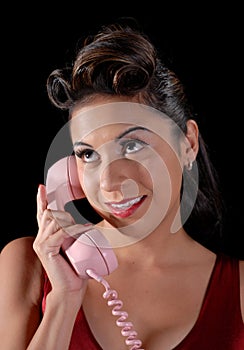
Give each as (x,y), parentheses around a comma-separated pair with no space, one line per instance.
(128,162)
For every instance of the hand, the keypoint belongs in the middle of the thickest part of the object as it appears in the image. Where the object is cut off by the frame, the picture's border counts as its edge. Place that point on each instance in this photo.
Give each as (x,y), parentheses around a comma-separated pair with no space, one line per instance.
(55,229)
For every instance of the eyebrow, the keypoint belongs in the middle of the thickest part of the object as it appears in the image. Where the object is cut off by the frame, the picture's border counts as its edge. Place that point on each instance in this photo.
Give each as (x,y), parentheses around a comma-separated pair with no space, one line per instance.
(130,130)
(80,143)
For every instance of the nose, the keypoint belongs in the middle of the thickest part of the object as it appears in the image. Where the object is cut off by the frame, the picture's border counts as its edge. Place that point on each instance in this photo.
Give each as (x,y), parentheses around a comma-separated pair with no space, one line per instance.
(112,176)
(117,181)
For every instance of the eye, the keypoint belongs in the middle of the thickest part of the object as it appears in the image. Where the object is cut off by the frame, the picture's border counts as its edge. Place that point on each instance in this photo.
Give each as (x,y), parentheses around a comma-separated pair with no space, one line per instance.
(87,155)
(132,146)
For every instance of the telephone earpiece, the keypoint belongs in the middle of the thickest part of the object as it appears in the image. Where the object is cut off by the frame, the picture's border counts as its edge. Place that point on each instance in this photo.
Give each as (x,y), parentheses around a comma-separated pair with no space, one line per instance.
(91,250)
(62,183)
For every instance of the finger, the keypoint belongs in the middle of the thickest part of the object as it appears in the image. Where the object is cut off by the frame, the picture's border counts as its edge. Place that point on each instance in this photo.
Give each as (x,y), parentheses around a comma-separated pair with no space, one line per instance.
(41,202)
(63,218)
(76,230)
(49,244)
(51,229)
(48,225)
(73,232)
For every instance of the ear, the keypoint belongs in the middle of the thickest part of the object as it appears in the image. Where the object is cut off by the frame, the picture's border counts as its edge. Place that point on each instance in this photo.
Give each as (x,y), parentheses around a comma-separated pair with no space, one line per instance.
(192,143)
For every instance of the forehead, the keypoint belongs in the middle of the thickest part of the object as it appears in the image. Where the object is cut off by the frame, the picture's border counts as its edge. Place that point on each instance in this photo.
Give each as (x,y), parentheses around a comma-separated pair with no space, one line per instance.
(117,115)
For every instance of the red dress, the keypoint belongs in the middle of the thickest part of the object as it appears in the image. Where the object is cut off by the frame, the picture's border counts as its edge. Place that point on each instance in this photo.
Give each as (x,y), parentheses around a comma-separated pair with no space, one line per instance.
(219,325)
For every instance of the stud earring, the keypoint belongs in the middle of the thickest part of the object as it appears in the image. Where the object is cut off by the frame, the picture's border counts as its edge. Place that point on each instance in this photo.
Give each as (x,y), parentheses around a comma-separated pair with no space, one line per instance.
(189,166)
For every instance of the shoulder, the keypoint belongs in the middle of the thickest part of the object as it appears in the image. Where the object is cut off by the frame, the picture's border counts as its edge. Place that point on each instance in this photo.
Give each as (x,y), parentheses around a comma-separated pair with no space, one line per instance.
(242,286)
(18,250)
(20,268)
(18,242)
(239,263)
(242,279)
(242,266)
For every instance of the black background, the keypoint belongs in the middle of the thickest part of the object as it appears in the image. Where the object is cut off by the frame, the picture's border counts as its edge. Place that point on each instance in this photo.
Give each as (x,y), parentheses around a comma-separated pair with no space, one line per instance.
(204,46)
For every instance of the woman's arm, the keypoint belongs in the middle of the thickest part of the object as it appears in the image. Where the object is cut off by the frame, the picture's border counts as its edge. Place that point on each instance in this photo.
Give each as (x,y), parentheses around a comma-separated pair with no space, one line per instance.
(22,265)
(20,294)
(56,327)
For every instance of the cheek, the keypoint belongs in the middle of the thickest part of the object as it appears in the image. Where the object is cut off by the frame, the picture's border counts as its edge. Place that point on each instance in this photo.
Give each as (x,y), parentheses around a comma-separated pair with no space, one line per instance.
(165,178)
(89,181)
(160,182)
(174,170)
(144,176)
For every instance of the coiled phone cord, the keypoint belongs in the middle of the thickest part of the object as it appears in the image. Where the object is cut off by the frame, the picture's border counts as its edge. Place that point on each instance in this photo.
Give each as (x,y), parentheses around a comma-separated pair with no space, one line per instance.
(112,296)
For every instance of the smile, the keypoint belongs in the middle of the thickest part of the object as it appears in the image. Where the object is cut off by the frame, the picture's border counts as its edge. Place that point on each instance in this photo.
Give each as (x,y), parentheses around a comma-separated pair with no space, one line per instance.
(125,208)
(126,204)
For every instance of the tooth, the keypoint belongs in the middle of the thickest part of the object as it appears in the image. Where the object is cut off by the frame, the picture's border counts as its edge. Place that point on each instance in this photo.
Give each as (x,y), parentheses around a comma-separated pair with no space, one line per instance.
(128,204)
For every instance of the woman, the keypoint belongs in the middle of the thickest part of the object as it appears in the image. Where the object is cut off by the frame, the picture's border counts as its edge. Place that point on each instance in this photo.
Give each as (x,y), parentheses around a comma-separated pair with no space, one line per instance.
(143,166)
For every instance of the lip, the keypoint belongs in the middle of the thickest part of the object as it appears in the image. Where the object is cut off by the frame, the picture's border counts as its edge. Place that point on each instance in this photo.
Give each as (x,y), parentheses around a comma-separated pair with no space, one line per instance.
(126,207)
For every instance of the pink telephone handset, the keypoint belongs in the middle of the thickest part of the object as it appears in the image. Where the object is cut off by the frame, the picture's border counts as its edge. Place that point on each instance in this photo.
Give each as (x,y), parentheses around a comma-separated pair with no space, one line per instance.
(91,250)
(90,254)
